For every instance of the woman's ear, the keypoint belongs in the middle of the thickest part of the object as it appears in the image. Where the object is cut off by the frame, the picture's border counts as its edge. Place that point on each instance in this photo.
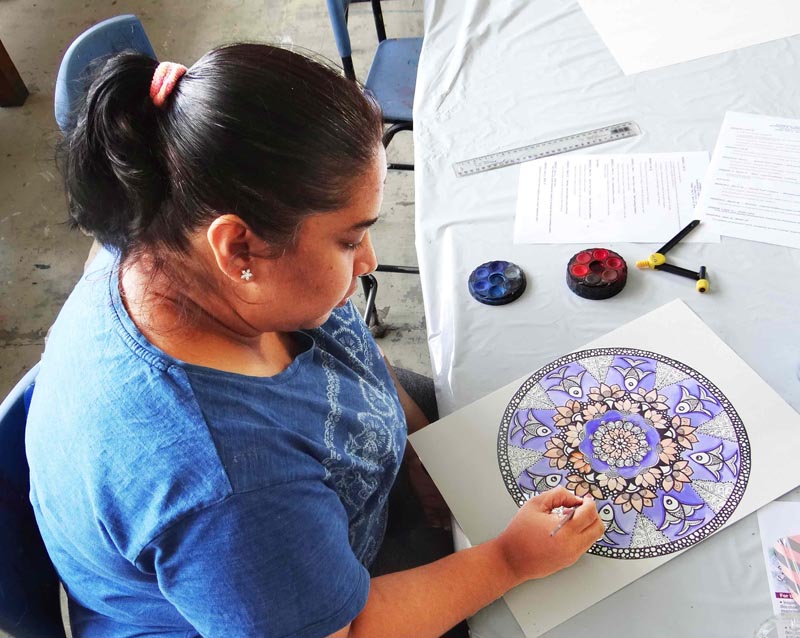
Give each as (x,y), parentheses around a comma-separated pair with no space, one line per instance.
(234,245)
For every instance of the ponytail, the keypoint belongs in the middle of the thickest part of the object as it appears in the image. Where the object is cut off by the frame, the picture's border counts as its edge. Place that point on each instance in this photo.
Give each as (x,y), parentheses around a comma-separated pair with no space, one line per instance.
(111,162)
(253,130)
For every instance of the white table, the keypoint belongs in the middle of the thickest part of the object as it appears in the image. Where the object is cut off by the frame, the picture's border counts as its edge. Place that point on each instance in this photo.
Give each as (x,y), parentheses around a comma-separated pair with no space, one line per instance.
(502,74)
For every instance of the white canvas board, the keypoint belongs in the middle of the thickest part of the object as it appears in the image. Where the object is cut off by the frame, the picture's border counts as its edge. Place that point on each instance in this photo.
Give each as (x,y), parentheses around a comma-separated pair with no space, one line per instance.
(644,35)
(461,454)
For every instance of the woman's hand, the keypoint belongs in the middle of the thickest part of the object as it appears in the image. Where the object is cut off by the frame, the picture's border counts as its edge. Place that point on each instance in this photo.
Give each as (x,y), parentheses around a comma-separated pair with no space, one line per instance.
(430,499)
(529,549)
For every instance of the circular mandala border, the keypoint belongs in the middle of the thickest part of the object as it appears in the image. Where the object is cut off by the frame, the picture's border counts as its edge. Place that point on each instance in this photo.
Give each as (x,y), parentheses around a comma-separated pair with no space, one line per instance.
(639,552)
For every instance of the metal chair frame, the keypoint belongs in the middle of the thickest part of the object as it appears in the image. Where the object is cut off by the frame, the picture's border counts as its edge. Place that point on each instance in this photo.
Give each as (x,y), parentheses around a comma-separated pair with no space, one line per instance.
(369,285)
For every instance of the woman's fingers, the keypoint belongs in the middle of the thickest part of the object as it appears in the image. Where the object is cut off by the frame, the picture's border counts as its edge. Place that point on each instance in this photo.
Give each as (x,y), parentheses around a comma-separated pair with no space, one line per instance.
(557,497)
(586,516)
(585,521)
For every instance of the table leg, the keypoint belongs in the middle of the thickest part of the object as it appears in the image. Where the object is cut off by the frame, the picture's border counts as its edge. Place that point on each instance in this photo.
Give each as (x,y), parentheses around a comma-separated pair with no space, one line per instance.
(12,90)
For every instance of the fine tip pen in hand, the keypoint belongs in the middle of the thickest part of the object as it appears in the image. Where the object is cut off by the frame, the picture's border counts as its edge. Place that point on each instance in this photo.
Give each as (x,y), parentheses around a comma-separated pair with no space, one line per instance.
(566,519)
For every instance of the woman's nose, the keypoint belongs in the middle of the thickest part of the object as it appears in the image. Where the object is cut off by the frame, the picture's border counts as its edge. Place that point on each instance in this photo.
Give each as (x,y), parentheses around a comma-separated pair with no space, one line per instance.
(366,261)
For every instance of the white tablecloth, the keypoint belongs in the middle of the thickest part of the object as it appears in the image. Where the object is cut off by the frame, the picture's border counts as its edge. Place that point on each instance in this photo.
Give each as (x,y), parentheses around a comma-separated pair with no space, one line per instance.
(501,74)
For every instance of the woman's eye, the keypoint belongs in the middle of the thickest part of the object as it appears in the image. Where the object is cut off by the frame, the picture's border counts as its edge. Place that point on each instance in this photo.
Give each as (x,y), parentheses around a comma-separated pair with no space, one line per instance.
(352,245)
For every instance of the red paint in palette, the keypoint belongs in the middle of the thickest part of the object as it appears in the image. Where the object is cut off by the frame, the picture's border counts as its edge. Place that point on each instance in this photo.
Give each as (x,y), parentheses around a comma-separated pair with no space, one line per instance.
(596,273)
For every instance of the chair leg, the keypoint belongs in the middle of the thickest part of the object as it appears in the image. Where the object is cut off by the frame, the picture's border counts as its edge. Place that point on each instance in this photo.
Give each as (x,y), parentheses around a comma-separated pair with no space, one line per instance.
(370,286)
(388,135)
(393,130)
(406,270)
(347,67)
(377,14)
(399,167)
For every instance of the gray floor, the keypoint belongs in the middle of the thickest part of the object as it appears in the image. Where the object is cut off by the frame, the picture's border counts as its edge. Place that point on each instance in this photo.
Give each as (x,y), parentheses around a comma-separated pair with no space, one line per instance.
(40,258)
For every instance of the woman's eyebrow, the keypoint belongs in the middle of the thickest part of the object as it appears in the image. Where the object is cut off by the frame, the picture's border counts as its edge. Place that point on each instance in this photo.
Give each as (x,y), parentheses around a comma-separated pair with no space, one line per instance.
(364,224)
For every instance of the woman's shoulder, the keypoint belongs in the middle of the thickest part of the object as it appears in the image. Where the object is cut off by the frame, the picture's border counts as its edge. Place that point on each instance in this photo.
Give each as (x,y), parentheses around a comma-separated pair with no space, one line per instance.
(124,441)
(113,426)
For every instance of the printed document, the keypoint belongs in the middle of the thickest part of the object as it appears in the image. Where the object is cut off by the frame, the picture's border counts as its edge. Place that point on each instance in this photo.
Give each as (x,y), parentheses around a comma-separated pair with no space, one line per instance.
(779,523)
(752,189)
(646,34)
(570,199)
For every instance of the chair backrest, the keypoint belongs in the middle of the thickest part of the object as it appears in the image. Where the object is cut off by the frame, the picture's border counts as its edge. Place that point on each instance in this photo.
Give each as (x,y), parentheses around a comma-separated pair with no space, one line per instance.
(338,11)
(29,597)
(121,33)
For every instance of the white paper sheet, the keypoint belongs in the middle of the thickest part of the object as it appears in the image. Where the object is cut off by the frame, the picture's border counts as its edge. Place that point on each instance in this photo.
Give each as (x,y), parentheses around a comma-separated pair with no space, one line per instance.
(645,34)
(461,454)
(609,198)
(752,188)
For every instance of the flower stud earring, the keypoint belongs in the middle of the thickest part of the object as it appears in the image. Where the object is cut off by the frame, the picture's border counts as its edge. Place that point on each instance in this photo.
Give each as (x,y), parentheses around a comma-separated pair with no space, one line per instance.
(247,275)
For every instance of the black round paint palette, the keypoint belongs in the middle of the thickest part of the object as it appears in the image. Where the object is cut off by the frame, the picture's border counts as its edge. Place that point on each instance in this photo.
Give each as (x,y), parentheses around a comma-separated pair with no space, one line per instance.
(496,283)
(596,273)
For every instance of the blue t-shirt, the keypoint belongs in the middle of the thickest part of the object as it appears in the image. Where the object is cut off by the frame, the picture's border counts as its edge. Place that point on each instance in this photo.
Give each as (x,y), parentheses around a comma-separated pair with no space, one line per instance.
(177,500)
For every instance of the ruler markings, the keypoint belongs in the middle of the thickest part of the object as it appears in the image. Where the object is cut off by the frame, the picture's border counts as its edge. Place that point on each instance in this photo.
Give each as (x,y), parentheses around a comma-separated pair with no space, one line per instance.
(556,146)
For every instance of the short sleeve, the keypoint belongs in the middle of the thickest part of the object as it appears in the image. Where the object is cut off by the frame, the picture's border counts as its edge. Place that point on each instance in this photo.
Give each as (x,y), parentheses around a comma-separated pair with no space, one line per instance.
(270,562)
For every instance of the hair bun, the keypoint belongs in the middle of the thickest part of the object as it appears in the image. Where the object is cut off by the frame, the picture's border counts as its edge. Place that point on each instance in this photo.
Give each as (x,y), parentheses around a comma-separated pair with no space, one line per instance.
(110,160)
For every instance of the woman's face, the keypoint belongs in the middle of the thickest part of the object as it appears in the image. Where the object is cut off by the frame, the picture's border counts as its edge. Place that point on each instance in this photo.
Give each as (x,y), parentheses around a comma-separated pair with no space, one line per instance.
(320,272)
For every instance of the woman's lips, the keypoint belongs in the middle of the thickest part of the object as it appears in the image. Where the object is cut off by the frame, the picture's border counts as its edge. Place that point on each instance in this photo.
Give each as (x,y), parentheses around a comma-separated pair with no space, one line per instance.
(349,294)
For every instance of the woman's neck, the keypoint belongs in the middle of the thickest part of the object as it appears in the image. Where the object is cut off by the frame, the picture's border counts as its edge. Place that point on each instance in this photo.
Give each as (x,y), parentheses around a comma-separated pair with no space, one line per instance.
(198,326)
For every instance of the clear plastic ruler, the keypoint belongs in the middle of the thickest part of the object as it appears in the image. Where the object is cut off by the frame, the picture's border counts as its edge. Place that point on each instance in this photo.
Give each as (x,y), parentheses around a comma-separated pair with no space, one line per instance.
(545,149)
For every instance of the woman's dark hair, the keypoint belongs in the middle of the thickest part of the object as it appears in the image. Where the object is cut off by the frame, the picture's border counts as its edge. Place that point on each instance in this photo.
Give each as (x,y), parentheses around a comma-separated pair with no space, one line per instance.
(254,130)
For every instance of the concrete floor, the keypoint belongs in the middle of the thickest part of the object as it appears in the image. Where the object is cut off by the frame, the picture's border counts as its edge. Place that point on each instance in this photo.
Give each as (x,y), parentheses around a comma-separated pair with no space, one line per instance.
(41,259)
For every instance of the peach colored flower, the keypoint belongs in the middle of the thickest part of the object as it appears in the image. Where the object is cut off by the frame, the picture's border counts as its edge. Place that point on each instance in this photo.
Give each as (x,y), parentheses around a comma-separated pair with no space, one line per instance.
(577,485)
(605,393)
(656,419)
(580,487)
(574,434)
(684,431)
(669,451)
(638,500)
(555,453)
(580,462)
(627,406)
(594,410)
(648,478)
(679,477)
(567,413)
(651,399)
(613,483)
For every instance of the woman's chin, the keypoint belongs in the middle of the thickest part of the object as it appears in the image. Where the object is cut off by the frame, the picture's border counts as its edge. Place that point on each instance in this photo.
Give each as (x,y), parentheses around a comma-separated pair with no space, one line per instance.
(349,294)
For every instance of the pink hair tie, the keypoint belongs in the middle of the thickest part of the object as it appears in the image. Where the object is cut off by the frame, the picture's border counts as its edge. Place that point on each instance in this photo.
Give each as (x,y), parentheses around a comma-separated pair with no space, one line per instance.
(164,80)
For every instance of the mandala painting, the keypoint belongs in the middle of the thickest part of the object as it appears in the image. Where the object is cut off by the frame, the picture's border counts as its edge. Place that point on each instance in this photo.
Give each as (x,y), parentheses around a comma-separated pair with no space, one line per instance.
(658,445)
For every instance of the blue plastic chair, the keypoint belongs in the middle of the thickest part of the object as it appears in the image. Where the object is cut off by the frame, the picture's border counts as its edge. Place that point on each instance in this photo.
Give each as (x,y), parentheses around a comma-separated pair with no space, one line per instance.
(393,74)
(29,596)
(121,33)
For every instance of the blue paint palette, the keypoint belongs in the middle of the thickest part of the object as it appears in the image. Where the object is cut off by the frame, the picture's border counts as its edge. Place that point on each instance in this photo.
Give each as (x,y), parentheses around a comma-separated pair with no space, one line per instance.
(496,283)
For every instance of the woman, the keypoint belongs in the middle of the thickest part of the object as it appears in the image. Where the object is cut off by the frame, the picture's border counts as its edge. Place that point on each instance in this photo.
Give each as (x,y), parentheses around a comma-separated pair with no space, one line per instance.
(214,434)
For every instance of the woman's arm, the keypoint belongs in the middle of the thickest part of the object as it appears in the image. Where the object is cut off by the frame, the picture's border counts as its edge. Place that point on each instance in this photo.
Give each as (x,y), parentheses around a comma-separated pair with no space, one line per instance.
(431,501)
(429,600)
(415,418)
